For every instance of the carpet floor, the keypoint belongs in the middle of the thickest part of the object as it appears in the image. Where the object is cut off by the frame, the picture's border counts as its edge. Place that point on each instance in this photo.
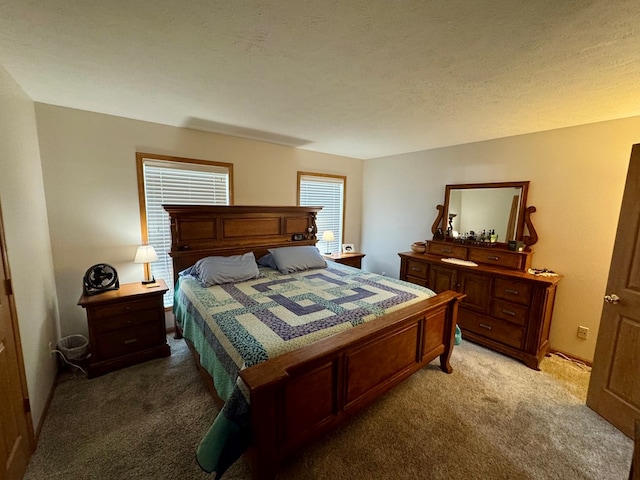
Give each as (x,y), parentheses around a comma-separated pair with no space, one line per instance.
(492,418)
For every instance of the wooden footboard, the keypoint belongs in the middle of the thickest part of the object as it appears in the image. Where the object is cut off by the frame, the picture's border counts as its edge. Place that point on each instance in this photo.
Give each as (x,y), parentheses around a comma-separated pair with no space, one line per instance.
(300,395)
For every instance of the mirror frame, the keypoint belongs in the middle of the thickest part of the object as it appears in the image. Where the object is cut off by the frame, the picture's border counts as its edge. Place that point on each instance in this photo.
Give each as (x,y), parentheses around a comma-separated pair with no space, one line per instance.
(524,212)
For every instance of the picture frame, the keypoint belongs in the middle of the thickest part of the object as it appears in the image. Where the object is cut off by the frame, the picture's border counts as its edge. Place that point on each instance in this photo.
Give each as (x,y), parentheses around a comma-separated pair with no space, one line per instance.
(348,248)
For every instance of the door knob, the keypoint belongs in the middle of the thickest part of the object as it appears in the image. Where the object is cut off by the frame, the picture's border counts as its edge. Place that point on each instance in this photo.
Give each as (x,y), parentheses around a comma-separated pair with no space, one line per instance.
(613,298)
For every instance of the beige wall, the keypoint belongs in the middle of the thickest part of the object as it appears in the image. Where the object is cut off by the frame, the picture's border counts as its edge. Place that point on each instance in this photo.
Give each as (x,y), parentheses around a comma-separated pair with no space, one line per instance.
(27,233)
(577,178)
(92,198)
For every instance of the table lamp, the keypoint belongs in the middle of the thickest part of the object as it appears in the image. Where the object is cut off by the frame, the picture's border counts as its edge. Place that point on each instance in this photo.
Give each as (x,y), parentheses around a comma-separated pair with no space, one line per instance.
(146,254)
(327,236)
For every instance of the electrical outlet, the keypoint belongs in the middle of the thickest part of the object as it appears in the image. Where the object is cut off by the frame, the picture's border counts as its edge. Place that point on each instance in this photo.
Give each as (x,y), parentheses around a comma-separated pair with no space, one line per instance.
(583,332)
(383,274)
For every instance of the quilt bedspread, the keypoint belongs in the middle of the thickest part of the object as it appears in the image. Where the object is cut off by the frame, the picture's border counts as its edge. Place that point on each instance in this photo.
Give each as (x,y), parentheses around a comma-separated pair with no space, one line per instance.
(235,326)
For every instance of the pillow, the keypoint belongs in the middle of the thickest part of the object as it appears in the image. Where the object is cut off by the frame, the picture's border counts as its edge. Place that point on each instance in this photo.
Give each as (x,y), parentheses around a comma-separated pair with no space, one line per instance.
(297,259)
(218,270)
(187,272)
(267,261)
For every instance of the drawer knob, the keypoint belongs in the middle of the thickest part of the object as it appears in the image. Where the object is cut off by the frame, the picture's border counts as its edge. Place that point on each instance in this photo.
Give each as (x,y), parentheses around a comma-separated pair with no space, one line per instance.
(509,312)
(512,292)
(415,269)
(447,250)
(493,257)
(130,341)
(485,326)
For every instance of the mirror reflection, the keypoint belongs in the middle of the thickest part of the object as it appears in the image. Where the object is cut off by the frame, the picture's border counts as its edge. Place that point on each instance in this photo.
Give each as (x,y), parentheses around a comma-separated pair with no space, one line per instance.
(489,210)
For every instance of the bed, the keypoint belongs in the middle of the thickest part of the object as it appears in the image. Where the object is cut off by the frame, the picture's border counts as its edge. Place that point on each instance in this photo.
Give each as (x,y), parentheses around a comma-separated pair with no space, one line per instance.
(291,355)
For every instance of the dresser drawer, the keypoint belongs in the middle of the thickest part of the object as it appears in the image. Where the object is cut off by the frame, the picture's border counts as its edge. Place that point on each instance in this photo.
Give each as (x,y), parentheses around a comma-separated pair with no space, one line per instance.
(495,329)
(129,340)
(423,282)
(418,270)
(512,290)
(448,250)
(511,312)
(497,257)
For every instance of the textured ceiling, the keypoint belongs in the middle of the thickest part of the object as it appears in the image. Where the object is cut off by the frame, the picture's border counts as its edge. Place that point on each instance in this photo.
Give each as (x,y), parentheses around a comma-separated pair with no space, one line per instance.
(360,78)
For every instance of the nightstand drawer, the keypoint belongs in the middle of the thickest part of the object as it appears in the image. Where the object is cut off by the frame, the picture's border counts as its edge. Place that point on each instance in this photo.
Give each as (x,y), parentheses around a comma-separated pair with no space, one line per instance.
(498,330)
(129,340)
(417,269)
(512,290)
(126,320)
(125,308)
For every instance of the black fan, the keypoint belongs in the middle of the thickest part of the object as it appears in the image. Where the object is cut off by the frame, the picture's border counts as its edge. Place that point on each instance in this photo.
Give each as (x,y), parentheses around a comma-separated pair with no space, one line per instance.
(100,278)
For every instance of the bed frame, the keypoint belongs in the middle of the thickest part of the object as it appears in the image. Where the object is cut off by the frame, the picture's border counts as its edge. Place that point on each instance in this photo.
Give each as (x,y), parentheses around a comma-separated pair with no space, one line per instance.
(300,395)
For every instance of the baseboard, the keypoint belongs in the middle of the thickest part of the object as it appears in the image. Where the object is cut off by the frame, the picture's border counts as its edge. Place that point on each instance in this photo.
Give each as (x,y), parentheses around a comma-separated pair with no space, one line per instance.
(571,357)
(47,404)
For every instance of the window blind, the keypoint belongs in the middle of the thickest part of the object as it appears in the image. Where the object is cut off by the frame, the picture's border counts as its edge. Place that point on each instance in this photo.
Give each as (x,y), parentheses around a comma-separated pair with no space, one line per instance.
(177,183)
(327,192)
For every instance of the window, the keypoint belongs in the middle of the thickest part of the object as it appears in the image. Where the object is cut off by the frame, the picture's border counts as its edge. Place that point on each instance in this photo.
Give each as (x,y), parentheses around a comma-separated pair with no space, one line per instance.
(327,191)
(176,181)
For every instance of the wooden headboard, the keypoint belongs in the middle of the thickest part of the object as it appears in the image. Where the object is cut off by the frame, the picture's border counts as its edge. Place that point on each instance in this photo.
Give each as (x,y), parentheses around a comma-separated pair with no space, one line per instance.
(199,231)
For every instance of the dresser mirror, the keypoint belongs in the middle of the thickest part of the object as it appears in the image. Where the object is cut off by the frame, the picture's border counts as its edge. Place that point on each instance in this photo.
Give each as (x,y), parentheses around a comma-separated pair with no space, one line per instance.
(496,211)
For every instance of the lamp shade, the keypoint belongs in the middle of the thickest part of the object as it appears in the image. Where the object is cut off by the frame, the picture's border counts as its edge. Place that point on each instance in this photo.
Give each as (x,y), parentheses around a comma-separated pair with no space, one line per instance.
(145,254)
(327,236)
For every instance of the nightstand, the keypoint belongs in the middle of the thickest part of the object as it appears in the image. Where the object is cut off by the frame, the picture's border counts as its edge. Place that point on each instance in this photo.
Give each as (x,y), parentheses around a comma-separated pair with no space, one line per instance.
(126,326)
(351,259)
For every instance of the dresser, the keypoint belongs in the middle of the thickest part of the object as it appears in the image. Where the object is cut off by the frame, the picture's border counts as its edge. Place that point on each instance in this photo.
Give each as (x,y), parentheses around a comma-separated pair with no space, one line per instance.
(505,308)
(126,326)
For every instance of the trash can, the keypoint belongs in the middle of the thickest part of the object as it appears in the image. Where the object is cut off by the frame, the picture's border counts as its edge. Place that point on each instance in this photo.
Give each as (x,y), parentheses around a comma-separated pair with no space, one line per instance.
(74,347)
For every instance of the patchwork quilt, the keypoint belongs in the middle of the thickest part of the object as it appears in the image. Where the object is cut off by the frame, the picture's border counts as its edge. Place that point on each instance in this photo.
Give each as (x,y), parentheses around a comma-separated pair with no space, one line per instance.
(235,326)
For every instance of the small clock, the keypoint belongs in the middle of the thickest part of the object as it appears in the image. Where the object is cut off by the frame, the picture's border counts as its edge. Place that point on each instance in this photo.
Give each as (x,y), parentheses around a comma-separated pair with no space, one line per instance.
(100,278)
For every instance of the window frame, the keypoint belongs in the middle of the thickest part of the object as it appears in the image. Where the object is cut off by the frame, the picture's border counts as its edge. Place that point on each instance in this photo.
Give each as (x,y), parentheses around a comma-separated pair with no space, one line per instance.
(343,178)
(142,200)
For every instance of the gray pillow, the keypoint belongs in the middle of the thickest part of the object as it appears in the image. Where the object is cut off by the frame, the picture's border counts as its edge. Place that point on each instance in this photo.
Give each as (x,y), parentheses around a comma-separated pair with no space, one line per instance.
(218,270)
(267,261)
(297,259)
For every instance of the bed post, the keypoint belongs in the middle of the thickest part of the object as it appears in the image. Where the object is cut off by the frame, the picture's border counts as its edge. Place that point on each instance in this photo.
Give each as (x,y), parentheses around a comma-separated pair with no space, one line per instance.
(264,425)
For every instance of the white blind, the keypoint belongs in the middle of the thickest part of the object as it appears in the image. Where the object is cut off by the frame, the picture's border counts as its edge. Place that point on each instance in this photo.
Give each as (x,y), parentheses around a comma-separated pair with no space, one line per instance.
(326,192)
(177,183)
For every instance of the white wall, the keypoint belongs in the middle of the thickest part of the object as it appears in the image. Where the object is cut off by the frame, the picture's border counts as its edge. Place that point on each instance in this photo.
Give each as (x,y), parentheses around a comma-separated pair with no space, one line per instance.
(27,234)
(92,195)
(577,179)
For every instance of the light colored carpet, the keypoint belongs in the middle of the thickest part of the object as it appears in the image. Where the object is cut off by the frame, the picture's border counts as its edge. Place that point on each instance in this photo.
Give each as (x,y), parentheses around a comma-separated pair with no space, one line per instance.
(493,418)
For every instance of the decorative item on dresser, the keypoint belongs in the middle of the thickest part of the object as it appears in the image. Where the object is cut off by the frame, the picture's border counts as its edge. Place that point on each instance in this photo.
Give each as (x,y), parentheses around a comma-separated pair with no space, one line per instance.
(353,259)
(126,326)
(506,307)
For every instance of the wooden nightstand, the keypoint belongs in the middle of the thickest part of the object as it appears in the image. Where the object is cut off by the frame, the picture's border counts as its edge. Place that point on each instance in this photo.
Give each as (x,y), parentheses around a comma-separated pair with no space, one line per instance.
(126,326)
(351,259)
